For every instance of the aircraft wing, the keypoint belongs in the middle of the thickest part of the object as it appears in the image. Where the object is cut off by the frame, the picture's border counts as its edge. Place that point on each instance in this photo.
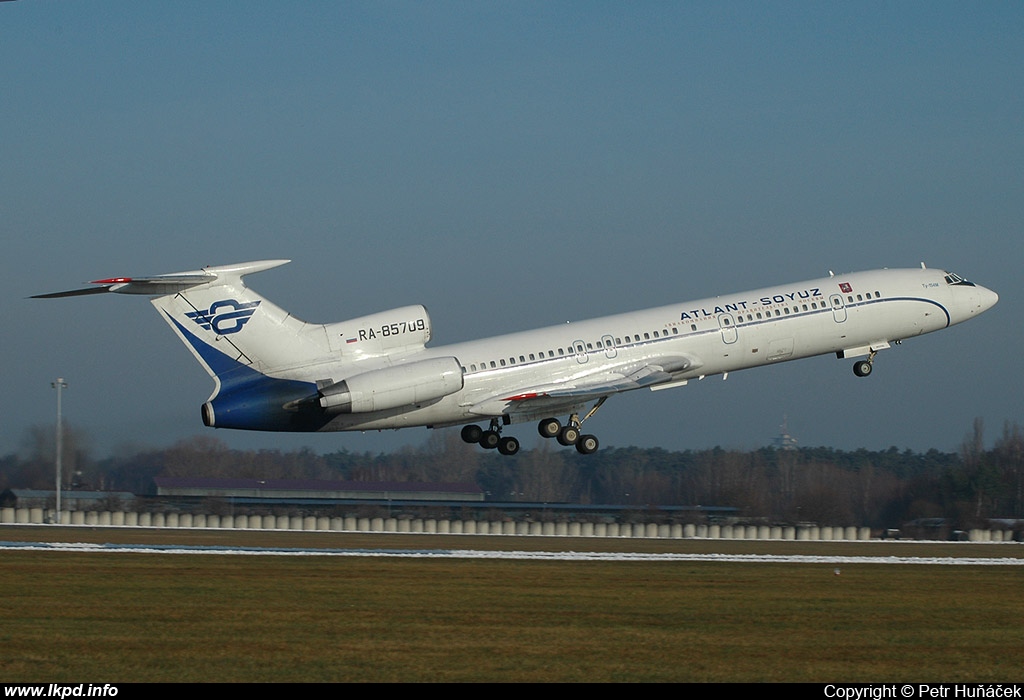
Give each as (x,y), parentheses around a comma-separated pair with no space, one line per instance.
(606,381)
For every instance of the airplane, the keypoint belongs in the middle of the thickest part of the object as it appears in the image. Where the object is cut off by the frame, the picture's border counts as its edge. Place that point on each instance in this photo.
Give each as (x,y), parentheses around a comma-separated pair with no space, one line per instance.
(274,372)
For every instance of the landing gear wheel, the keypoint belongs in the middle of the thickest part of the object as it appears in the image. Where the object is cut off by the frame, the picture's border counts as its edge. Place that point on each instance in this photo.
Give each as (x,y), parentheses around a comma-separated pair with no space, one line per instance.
(862,368)
(471,434)
(569,435)
(549,427)
(508,446)
(489,439)
(587,445)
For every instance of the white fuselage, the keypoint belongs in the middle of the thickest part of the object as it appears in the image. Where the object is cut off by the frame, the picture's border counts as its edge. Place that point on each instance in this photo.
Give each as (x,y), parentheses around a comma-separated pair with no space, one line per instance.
(851,315)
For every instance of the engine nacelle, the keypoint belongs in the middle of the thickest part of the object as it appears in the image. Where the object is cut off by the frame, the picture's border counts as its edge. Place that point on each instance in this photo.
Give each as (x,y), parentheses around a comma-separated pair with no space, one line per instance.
(398,330)
(394,387)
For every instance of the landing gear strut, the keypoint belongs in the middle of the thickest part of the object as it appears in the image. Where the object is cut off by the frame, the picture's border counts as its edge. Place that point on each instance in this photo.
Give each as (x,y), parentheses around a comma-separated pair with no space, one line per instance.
(862,368)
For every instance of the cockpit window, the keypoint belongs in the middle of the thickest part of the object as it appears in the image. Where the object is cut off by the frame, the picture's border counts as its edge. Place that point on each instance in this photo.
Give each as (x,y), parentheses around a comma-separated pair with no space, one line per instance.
(953,278)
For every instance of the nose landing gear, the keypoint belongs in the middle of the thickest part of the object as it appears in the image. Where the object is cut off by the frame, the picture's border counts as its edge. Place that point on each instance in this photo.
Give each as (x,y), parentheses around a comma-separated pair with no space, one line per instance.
(862,368)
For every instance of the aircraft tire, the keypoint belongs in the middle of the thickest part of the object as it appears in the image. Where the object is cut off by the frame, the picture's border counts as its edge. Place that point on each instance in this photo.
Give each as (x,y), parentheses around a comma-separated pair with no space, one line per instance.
(587,445)
(489,439)
(568,435)
(508,446)
(862,368)
(549,427)
(472,434)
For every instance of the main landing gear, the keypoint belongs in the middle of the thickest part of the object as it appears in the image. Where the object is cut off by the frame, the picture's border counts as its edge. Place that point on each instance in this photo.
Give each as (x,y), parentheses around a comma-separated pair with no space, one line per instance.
(567,435)
(491,438)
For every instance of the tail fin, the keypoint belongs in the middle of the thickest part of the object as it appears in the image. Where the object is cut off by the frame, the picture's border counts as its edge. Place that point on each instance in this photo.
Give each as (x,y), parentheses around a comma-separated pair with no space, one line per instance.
(220,319)
(251,348)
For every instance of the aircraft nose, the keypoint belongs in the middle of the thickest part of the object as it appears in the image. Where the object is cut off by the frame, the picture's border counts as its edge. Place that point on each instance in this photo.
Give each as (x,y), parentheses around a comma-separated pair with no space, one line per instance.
(986,298)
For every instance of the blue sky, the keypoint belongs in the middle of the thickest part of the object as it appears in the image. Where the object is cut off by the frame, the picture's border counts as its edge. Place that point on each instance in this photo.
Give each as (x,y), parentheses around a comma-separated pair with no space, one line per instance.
(511,165)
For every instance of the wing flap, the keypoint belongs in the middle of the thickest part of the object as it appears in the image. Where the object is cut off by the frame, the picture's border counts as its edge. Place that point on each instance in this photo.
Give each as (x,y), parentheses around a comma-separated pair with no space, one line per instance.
(607,381)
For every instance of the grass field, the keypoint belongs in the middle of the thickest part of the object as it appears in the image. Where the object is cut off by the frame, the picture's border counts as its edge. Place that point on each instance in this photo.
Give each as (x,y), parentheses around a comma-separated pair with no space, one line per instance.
(70,617)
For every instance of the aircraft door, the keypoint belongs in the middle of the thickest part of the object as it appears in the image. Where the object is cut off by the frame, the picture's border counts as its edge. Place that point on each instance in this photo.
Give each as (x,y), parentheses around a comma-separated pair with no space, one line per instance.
(580,349)
(838,308)
(728,325)
(610,351)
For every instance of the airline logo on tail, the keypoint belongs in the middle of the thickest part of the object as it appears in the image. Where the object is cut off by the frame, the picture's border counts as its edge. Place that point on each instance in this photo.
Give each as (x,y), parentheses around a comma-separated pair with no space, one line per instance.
(224,317)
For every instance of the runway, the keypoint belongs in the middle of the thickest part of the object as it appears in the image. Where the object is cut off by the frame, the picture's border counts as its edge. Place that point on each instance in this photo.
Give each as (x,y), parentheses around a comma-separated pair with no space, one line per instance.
(109,548)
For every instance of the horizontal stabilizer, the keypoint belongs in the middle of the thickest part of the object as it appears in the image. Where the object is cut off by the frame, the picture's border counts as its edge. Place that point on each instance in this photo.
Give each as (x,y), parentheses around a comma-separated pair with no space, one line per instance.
(73,293)
(161,285)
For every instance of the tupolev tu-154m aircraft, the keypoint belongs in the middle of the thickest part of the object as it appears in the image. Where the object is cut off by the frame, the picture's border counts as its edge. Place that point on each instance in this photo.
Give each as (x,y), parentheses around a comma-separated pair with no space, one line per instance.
(274,372)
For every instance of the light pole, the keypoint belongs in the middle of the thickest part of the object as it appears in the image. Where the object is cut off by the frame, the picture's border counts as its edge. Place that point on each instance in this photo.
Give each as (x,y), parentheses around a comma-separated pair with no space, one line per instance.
(59,385)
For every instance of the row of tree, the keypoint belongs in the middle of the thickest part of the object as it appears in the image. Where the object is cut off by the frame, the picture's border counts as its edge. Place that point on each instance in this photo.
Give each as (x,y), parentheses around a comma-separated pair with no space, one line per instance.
(834,487)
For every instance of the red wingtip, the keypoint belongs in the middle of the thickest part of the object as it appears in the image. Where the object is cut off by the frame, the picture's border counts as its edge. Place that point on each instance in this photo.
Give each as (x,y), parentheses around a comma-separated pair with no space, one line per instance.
(112,280)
